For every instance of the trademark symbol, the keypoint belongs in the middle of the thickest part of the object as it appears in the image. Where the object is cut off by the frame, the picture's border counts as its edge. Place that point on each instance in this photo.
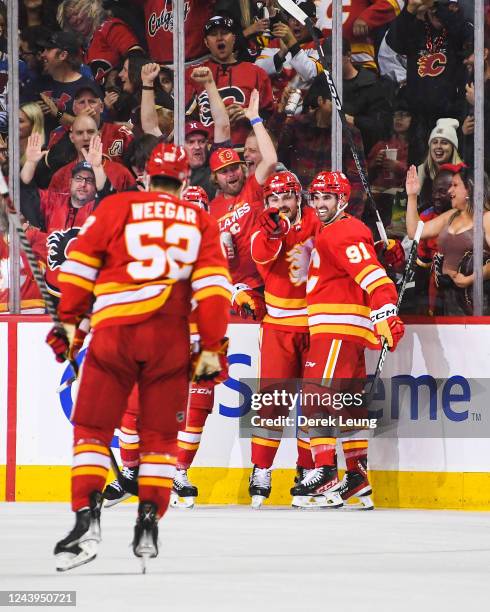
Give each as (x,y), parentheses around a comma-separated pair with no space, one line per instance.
(475,416)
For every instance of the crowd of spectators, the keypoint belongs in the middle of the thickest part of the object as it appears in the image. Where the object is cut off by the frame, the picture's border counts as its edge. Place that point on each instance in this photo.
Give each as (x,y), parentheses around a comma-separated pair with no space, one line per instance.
(96,91)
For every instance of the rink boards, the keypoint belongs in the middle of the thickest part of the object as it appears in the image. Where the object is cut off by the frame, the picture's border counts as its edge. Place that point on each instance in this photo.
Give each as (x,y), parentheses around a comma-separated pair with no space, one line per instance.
(422,472)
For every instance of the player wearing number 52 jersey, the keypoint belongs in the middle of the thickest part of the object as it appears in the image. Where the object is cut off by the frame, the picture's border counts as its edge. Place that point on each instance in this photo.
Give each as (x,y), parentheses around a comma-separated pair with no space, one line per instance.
(137,263)
(351,306)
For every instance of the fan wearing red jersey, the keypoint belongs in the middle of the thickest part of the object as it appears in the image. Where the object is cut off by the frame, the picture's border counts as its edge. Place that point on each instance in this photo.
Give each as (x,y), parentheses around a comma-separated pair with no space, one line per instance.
(281,246)
(137,263)
(351,306)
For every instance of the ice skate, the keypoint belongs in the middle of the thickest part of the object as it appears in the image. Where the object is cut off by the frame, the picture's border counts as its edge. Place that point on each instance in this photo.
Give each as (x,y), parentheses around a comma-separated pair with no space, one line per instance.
(355,483)
(114,493)
(183,493)
(260,486)
(306,501)
(145,541)
(81,544)
(320,486)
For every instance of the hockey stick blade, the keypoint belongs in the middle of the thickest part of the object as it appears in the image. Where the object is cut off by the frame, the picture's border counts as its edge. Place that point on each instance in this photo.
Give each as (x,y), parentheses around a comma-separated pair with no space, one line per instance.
(294,10)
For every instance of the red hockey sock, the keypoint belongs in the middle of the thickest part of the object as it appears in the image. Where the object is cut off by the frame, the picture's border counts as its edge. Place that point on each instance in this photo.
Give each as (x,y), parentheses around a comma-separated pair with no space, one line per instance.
(264,451)
(323,451)
(305,458)
(157,469)
(354,450)
(129,440)
(201,400)
(90,464)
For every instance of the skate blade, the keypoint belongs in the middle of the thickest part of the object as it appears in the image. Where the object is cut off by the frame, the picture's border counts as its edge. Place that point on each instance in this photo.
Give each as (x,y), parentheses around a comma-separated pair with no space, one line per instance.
(257,501)
(181,502)
(303,502)
(108,503)
(67,561)
(364,503)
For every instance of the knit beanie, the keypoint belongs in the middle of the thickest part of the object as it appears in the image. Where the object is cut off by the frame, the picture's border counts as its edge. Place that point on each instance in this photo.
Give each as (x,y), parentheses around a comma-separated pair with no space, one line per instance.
(446,128)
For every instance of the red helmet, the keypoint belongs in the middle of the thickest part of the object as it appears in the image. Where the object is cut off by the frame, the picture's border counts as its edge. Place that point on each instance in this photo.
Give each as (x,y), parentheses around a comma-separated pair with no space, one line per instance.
(331,182)
(282,182)
(168,160)
(196,194)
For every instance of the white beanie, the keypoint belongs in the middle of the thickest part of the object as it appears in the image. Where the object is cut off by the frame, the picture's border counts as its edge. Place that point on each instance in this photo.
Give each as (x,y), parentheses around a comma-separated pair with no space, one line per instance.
(446,128)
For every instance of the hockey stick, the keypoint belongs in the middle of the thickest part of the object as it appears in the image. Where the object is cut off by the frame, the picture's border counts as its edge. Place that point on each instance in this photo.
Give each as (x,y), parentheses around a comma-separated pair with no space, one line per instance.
(384,347)
(37,273)
(297,13)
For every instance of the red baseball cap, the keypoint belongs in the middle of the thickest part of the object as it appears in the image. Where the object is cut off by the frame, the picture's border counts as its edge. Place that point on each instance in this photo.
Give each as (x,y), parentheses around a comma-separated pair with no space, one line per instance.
(223,157)
(195,127)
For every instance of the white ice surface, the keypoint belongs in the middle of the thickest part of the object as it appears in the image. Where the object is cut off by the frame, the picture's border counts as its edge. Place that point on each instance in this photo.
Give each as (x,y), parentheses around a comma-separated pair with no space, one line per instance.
(234,559)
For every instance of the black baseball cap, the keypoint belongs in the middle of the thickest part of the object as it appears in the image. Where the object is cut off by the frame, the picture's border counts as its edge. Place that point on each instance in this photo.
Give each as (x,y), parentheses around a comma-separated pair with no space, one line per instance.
(65,41)
(219,21)
(82,166)
(90,86)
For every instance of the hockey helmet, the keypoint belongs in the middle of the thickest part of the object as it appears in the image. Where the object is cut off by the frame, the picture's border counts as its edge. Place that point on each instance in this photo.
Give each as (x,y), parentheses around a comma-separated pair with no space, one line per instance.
(168,160)
(282,182)
(332,182)
(197,195)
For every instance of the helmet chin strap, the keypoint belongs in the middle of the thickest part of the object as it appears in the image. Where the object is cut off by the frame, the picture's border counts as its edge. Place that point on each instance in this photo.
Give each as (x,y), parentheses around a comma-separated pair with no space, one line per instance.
(341,206)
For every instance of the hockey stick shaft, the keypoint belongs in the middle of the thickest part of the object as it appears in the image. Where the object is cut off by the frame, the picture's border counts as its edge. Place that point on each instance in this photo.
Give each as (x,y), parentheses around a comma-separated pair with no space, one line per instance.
(290,7)
(384,347)
(37,273)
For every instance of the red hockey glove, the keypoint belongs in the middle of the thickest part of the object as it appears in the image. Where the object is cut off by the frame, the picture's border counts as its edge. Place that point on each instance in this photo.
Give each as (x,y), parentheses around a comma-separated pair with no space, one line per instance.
(79,338)
(59,339)
(273,223)
(388,325)
(211,365)
(248,303)
(392,255)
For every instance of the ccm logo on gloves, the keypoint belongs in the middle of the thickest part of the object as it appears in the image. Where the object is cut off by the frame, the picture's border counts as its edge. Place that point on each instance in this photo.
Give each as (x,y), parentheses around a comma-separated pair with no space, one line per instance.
(384,313)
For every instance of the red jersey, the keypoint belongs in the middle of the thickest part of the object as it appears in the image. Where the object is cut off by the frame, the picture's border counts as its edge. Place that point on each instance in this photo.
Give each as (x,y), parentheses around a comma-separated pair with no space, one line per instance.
(141,253)
(109,44)
(235,83)
(115,139)
(427,247)
(238,216)
(345,282)
(159,28)
(31,301)
(119,176)
(283,264)
(374,12)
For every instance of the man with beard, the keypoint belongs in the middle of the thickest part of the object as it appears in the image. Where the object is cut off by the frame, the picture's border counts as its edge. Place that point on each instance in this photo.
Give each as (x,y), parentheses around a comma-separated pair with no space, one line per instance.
(61,215)
(241,198)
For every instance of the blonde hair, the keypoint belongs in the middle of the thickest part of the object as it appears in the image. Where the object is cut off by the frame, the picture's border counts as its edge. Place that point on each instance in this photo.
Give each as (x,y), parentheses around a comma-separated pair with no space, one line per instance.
(35,115)
(91,8)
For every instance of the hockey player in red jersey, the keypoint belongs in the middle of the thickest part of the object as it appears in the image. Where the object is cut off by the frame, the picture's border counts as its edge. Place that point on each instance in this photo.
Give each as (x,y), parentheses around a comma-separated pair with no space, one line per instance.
(143,257)
(351,306)
(281,248)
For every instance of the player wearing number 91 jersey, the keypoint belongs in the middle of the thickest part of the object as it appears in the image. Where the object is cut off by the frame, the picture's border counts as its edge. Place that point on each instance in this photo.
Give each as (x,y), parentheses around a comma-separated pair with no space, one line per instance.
(351,305)
(144,257)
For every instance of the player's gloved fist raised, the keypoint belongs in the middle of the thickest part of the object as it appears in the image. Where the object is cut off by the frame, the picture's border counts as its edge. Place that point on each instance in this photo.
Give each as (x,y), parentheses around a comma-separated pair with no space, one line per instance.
(388,325)
(211,365)
(273,223)
(248,303)
(59,339)
(392,255)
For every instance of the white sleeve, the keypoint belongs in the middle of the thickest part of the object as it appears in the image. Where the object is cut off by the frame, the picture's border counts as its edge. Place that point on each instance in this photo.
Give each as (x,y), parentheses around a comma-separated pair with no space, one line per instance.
(306,64)
(391,64)
(266,60)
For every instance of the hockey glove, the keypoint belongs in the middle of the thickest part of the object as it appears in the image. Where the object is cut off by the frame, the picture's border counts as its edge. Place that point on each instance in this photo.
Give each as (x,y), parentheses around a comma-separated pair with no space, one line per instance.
(388,325)
(273,223)
(60,339)
(211,365)
(79,338)
(392,256)
(248,303)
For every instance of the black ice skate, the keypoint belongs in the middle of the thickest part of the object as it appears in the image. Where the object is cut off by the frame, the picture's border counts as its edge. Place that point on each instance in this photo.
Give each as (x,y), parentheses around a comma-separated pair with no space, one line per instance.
(306,501)
(81,544)
(260,486)
(183,493)
(321,485)
(114,492)
(145,541)
(355,483)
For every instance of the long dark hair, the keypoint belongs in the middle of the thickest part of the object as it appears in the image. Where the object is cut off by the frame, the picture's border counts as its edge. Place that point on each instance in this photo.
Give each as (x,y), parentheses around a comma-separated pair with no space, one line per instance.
(468,177)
